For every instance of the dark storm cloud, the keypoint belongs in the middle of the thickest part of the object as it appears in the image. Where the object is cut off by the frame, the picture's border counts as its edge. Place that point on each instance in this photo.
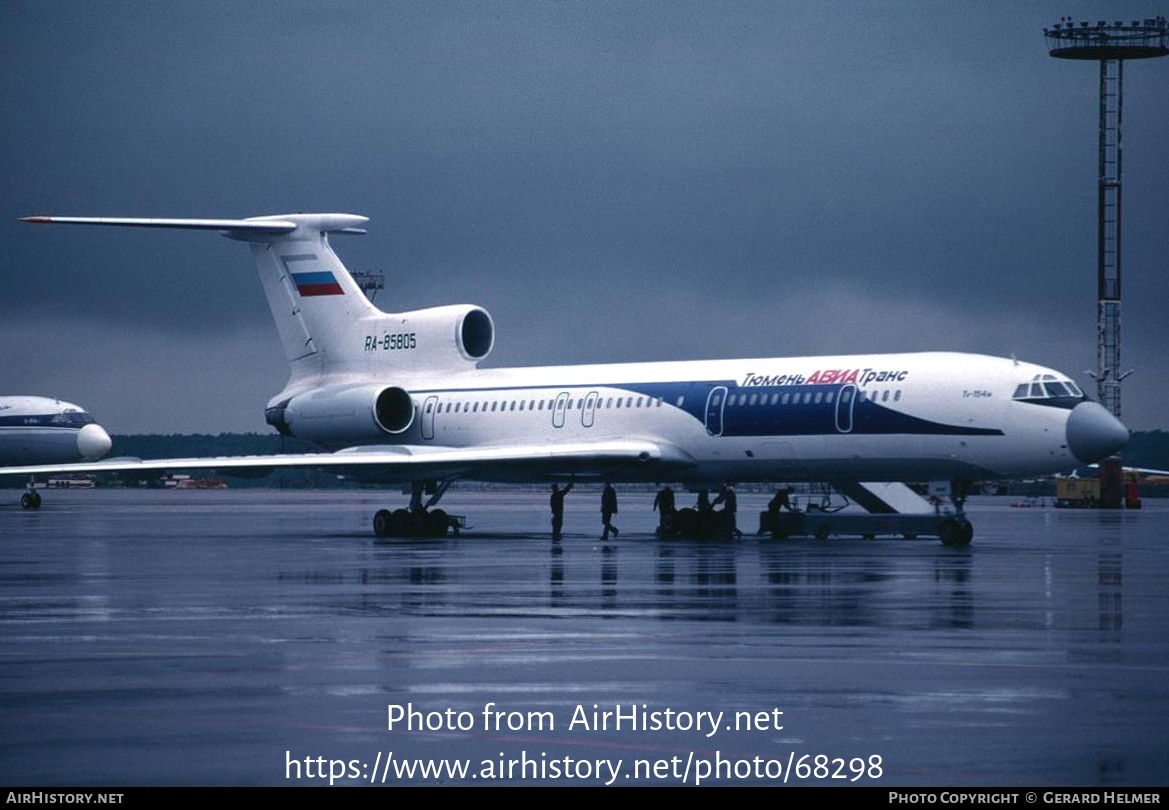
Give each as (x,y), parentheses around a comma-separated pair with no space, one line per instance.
(612,181)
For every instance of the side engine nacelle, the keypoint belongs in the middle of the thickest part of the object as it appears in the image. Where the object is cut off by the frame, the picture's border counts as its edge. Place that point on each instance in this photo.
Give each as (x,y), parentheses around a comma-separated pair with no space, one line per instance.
(340,416)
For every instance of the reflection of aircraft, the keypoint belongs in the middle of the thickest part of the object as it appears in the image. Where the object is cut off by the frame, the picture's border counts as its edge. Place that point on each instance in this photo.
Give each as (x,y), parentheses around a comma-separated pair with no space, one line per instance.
(40,430)
(400,398)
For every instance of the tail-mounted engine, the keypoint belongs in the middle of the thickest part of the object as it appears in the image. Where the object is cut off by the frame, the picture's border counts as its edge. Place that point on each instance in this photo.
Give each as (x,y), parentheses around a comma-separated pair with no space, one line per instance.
(428,339)
(340,413)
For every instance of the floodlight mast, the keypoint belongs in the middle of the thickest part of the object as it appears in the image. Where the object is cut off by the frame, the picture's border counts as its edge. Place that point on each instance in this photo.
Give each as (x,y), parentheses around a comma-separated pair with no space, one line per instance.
(1109,44)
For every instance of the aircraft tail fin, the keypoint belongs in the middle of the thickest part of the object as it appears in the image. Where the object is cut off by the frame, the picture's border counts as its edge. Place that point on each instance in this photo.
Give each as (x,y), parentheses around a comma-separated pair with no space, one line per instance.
(316,303)
(330,331)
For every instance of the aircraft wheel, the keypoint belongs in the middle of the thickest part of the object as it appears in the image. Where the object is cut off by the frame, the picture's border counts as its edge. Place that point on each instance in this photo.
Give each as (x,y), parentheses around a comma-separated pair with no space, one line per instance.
(950,532)
(966,534)
(383,522)
(686,523)
(437,523)
(708,525)
(30,500)
(821,532)
(400,523)
(417,524)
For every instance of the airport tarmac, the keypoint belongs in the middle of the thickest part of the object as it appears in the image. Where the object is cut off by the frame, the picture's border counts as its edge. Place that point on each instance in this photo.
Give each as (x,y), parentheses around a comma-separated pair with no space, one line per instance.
(253,637)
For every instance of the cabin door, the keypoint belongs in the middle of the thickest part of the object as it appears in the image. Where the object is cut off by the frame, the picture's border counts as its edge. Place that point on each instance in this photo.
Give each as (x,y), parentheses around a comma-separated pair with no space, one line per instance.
(716,400)
(844,404)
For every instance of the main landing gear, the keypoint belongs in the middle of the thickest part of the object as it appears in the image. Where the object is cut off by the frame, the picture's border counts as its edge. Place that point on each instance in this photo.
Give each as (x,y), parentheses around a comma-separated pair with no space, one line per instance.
(31,499)
(419,520)
(708,524)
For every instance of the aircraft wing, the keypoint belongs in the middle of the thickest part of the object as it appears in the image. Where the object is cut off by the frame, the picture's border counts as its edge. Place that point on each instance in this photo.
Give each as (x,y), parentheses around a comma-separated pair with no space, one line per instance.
(403,463)
(1145,471)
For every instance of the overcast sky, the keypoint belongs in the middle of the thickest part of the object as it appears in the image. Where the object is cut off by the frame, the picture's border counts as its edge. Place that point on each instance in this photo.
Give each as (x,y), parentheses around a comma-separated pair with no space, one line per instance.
(612,181)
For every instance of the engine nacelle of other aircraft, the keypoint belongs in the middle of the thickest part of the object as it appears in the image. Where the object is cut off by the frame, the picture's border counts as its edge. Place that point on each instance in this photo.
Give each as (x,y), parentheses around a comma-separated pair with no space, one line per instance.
(425,336)
(344,415)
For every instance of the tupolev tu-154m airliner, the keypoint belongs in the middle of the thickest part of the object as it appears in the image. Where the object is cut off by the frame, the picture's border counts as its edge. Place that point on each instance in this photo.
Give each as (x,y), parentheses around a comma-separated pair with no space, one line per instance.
(399,398)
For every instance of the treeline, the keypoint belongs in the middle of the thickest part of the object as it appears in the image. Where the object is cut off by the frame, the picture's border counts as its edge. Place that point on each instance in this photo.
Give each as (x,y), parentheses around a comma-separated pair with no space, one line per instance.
(1148,448)
(178,445)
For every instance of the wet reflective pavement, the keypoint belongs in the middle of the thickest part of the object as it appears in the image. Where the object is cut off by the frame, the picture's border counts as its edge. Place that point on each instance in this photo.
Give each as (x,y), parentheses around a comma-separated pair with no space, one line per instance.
(226,637)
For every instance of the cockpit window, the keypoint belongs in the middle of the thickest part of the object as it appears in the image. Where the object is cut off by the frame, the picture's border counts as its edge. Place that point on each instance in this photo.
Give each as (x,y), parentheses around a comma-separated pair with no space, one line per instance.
(1046,387)
(71,419)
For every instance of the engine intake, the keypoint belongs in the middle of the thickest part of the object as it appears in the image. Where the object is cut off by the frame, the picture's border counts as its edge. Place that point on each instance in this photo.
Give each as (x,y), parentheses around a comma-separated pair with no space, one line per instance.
(394,410)
(476,334)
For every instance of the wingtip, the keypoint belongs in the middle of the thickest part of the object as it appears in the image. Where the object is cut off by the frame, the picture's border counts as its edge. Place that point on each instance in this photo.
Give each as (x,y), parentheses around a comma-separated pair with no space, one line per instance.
(36,219)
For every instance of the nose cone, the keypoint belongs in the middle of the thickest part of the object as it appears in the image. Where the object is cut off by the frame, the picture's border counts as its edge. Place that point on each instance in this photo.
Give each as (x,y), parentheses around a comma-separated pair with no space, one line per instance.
(1094,433)
(93,442)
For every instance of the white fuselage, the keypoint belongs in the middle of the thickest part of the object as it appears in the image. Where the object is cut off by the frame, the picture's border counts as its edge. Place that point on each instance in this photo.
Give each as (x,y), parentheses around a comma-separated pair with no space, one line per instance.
(41,430)
(866,417)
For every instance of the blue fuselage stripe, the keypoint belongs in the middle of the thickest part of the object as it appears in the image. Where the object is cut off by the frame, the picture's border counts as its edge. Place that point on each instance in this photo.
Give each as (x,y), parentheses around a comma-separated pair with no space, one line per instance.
(823,413)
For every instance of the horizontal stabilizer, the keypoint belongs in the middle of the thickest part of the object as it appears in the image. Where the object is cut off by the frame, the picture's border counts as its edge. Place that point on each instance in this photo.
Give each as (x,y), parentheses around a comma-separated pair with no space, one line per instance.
(276,226)
(235,228)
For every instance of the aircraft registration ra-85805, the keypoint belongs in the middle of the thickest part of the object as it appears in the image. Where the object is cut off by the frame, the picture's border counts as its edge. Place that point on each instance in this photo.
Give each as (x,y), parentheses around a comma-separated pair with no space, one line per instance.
(399,398)
(42,430)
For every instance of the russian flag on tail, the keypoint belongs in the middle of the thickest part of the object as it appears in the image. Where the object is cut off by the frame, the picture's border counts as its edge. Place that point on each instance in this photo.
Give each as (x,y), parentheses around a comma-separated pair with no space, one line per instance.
(317,283)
